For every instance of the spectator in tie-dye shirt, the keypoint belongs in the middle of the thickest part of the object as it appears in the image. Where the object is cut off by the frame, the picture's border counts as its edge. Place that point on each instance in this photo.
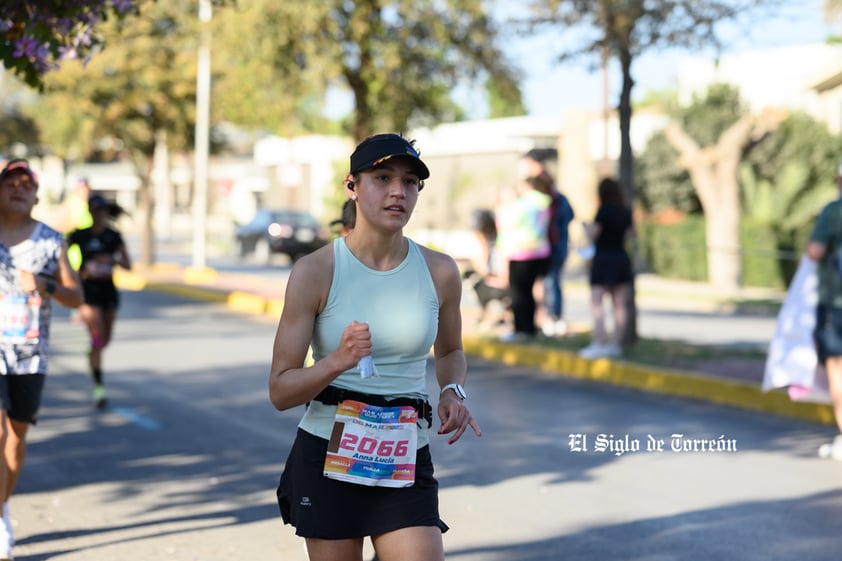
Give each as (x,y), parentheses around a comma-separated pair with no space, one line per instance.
(523,244)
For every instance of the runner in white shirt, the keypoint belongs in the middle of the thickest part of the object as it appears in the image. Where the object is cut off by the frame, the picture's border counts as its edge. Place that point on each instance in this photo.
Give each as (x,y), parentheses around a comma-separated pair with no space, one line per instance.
(33,271)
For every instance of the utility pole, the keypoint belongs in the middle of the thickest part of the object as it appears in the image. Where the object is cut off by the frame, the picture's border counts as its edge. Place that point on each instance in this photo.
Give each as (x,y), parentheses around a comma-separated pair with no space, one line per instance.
(202,147)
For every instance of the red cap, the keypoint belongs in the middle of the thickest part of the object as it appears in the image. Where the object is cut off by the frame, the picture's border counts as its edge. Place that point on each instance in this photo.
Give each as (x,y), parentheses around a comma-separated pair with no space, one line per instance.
(18,165)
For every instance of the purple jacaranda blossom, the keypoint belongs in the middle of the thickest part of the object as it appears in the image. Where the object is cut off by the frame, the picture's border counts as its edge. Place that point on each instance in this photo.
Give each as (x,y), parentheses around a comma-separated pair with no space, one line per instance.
(67,53)
(123,6)
(41,34)
(43,61)
(25,47)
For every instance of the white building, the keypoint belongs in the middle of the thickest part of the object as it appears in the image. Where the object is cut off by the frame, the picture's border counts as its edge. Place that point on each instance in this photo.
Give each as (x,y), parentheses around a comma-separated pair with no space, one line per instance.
(797,77)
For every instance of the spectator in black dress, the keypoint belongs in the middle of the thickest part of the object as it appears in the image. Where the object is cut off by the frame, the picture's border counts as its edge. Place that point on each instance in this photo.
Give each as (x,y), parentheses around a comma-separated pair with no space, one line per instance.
(611,272)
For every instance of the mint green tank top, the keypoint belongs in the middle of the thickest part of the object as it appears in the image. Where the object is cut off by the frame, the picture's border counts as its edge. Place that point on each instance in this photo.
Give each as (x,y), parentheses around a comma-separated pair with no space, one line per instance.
(401,307)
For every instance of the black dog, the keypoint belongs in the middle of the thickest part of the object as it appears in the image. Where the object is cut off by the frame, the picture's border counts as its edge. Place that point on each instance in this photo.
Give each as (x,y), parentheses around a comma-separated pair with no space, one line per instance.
(493,300)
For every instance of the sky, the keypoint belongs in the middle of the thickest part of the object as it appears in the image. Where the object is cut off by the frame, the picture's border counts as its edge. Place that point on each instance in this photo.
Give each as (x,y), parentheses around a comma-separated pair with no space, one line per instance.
(551,90)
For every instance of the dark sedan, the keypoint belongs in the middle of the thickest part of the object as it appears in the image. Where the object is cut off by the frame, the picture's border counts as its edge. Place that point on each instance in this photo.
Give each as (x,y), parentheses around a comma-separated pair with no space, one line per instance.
(291,232)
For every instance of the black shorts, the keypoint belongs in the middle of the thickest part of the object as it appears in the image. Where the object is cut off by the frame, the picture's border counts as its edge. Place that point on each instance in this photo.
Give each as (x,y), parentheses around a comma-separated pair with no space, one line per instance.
(328,509)
(828,333)
(101,294)
(20,395)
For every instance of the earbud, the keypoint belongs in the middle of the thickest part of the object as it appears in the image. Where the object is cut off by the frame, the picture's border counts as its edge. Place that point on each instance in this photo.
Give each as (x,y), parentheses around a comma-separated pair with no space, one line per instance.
(352,185)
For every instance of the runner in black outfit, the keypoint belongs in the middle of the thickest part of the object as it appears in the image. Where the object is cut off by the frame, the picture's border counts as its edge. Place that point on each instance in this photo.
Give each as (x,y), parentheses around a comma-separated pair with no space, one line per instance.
(102,248)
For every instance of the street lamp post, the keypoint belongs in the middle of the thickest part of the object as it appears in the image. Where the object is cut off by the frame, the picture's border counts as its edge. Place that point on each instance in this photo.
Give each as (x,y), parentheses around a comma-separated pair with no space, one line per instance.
(202,147)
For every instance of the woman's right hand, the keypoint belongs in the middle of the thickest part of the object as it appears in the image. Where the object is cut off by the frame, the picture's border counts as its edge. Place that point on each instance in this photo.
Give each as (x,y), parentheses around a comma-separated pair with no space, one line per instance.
(354,344)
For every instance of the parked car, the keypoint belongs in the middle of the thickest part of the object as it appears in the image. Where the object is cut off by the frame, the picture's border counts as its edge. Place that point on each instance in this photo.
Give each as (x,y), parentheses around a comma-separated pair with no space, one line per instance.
(291,232)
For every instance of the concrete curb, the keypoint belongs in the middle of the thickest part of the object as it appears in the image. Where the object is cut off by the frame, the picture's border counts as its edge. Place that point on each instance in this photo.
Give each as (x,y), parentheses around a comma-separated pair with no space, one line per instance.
(192,286)
(563,363)
(651,379)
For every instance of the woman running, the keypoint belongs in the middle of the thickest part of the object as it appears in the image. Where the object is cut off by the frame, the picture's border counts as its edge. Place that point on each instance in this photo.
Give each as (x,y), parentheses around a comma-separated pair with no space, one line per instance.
(102,248)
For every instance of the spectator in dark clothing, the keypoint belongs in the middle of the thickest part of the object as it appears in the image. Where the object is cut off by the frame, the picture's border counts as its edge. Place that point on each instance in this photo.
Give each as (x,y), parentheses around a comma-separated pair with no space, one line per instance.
(611,272)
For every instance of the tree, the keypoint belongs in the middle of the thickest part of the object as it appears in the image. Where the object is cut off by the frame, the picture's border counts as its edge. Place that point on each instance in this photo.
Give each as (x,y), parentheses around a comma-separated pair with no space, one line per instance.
(16,128)
(398,59)
(786,179)
(663,185)
(261,87)
(625,29)
(711,137)
(142,85)
(35,36)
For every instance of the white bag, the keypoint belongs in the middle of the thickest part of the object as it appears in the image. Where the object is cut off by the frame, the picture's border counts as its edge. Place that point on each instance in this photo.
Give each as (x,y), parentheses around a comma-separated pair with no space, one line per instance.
(792,362)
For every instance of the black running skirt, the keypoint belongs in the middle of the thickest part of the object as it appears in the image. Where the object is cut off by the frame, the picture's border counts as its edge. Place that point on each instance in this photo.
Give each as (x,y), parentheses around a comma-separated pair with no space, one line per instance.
(328,509)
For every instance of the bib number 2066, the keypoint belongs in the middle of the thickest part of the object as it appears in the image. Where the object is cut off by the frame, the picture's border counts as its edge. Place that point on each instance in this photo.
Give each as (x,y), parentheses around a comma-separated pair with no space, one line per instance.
(368,445)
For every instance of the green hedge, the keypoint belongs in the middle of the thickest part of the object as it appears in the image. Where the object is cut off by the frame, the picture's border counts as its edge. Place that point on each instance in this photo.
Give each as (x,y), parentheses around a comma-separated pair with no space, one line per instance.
(769,258)
(675,251)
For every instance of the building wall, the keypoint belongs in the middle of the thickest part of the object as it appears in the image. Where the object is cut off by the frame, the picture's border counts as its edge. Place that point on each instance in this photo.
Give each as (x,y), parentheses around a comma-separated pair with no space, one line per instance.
(781,77)
(828,92)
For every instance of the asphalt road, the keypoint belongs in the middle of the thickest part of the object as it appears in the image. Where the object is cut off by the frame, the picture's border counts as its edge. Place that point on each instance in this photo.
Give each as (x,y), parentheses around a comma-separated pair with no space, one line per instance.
(184,464)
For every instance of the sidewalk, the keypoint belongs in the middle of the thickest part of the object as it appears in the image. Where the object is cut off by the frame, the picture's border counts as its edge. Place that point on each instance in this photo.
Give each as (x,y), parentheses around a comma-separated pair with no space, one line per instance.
(668,309)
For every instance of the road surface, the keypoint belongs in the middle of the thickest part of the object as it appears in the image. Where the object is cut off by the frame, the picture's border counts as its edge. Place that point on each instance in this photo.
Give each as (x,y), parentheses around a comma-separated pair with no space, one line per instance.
(184,464)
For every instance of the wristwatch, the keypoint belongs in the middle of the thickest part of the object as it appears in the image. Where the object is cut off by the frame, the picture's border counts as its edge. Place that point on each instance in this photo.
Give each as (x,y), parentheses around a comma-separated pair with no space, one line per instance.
(460,391)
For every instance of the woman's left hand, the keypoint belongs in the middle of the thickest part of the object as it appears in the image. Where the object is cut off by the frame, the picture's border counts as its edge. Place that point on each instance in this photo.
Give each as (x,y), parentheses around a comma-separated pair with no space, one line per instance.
(455,417)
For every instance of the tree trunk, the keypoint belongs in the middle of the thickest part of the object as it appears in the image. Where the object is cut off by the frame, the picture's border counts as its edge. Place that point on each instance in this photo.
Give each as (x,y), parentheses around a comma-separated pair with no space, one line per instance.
(719,193)
(146,207)
(630,335)
(713,170)
(363,115)
(722,235)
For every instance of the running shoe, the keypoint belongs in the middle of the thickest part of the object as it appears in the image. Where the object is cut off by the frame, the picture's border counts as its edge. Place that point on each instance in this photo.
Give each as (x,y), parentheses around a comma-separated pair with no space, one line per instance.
(592,351)
(832,450)
(7,538)
(99,399)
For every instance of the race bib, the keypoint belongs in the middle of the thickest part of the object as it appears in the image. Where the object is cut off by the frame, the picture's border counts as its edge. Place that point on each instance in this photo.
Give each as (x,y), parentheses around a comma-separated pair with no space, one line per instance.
(19,318)
(373,445)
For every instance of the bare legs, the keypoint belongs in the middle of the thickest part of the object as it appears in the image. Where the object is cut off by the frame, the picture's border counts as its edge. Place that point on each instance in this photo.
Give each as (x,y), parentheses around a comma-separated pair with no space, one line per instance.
(619,293)
(14,452)
(417,543)
(833,365)
(100,324)
(13,440)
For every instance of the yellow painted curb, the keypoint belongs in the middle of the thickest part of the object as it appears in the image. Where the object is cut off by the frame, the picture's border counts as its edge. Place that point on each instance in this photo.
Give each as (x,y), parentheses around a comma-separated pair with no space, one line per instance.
(188,291)
(274,307)
(246,303)
(165,267)
(127,280)
(193,275)
(651,379)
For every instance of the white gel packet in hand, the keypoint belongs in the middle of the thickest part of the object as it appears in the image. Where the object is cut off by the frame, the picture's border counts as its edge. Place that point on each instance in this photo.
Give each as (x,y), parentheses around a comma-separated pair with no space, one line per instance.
(367,368)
